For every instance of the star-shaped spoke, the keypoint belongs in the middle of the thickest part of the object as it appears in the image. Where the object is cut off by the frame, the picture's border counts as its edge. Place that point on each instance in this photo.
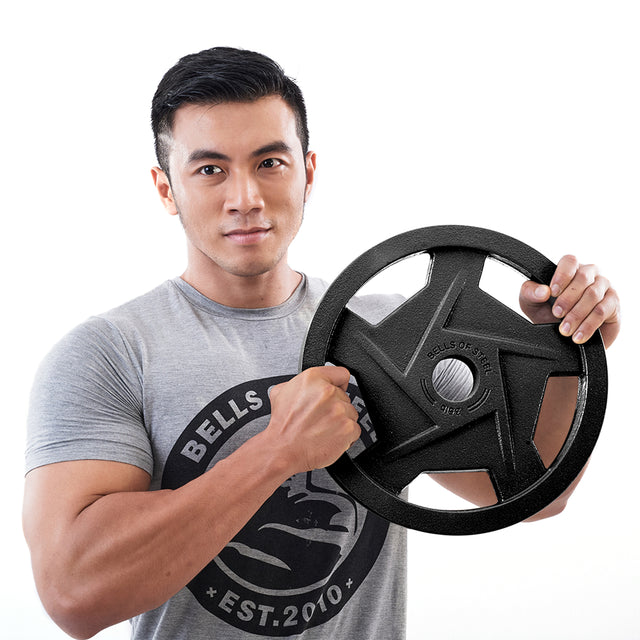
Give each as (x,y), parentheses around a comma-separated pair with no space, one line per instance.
(416,429)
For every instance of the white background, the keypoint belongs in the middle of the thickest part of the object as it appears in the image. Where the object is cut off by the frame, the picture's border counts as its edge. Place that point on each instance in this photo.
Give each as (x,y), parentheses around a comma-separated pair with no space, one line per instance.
(516,116)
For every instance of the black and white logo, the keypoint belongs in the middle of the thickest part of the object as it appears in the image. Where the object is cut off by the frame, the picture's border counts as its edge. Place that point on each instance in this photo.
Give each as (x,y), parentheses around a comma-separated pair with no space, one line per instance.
(304,554)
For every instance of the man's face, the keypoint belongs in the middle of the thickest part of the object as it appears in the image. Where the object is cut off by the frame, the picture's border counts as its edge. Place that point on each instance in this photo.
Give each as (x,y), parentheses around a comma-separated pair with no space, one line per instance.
(239,181)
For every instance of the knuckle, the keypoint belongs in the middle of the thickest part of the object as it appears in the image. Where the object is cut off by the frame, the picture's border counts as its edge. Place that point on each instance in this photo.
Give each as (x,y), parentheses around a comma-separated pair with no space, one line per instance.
(346,424)
(567,300)
(343,373)
(602,284)
(275,391)
(335,412)
(583,278)
(314,376)
(351,432)
(325,391)
(600,312)
(593,294)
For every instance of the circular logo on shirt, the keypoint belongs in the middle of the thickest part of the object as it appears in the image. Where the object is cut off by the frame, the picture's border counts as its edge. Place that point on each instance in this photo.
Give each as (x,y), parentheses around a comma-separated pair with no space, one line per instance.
(305,552)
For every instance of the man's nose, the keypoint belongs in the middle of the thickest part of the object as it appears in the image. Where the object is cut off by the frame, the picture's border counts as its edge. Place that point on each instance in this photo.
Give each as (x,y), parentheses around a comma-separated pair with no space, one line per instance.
(243,193)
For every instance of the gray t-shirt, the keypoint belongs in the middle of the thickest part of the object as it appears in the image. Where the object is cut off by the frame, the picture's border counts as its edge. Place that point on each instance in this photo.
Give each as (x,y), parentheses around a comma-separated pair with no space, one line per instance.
(172,382)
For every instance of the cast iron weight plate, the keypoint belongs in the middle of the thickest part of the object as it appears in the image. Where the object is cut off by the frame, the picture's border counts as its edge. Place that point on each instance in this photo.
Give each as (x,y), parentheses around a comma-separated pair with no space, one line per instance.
(491,430)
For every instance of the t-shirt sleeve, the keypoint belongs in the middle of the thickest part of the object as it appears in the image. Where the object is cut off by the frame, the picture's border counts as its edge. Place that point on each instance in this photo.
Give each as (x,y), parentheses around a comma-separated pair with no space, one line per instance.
(86,402)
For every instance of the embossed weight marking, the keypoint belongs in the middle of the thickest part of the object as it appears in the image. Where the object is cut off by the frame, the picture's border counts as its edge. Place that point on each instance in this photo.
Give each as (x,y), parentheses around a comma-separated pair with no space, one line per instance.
(492,429)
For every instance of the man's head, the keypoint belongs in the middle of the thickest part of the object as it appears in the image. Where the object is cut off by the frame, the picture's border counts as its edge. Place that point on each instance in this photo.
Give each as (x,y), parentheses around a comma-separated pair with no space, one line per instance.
(215,76)
(231,140)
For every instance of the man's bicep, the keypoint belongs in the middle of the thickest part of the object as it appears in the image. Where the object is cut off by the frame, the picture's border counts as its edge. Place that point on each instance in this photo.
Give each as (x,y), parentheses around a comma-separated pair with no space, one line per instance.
(56,494)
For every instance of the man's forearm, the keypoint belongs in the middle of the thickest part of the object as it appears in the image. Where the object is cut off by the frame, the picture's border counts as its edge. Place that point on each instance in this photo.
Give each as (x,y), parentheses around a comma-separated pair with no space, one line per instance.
(554,422)
(128,552)
(105,549)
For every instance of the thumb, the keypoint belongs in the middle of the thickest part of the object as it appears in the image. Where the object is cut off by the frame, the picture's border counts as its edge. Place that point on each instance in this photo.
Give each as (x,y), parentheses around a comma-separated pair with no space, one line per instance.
(338,376)
(534,298)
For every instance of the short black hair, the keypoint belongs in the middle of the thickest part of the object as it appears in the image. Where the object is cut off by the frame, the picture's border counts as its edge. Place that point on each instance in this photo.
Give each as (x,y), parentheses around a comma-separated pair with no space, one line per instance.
(217,75)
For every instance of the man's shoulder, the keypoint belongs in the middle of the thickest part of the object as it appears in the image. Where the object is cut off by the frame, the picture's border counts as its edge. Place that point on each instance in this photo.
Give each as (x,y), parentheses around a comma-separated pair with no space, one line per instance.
(154,301)
(111,326)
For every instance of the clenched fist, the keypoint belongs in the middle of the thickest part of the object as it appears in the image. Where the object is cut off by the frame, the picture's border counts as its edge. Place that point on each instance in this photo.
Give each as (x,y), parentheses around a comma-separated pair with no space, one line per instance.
(312,419)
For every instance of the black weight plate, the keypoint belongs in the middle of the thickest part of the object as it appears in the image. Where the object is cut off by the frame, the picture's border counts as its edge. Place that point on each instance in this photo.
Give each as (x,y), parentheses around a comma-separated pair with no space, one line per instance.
(492,430)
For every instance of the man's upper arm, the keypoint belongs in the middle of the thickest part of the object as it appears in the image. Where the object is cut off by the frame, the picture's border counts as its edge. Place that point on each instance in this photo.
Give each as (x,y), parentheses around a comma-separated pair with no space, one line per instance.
(86,434)
(56,494)
(87,402)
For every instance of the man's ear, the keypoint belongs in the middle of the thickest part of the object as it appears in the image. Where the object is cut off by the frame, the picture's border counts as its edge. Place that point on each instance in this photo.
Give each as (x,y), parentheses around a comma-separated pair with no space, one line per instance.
(163,186)
(310,168)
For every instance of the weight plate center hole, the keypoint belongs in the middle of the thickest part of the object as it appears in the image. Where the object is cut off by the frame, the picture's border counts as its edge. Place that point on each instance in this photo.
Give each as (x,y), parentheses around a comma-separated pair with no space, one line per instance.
(453,380)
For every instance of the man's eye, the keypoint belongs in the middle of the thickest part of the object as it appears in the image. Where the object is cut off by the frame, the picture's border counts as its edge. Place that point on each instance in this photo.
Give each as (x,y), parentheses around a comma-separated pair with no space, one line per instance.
(210,170)
(270,163)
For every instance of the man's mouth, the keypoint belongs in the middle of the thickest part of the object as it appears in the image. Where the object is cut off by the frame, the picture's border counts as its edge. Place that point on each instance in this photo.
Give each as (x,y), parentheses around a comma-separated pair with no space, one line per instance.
(250,235)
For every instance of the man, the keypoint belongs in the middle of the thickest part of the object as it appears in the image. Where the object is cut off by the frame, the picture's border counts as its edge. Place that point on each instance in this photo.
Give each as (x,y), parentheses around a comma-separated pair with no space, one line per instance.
(174,459)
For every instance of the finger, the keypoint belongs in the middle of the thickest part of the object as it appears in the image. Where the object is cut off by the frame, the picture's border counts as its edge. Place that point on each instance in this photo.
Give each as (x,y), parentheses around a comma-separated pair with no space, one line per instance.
(565,271)
(586,324)
(350,411)
(591,296)
(337,376)
(344,421)
(357,433)
(337,379)
(583,278)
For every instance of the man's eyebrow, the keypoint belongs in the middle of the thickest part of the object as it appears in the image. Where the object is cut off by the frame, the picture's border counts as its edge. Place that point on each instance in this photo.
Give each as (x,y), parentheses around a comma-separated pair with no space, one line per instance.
(273,147)
(279,146)
(206,154)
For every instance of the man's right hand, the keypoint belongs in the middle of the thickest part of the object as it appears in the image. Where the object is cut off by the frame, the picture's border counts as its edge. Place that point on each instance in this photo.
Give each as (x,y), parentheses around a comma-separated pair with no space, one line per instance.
(312,419)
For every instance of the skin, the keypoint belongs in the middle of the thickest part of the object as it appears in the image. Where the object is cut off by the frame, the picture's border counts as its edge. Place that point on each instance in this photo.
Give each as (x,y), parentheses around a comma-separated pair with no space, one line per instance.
(239,181)
(238,168)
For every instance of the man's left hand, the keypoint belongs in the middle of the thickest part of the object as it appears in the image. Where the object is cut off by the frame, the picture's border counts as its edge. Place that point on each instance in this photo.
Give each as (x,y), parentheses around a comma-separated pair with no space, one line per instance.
(579,297)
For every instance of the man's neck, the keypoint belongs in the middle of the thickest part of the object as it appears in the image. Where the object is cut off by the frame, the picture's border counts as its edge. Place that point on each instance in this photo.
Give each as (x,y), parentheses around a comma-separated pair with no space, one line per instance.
(246,292)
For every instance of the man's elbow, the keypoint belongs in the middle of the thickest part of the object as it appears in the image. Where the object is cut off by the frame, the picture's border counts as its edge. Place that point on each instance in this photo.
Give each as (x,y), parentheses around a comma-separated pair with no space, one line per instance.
(558,505)
(554,509)
(72,610)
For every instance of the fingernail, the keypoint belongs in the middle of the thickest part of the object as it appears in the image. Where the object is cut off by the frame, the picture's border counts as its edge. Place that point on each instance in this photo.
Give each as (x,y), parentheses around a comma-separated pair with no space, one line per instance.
(557,311)
(555,290)
(578,336)
(565,329)
(540,292)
